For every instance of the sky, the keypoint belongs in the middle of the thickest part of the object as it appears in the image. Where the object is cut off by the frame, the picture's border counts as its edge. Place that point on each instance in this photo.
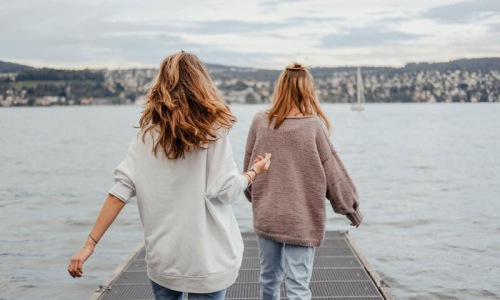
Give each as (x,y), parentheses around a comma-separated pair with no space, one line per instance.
(259,34)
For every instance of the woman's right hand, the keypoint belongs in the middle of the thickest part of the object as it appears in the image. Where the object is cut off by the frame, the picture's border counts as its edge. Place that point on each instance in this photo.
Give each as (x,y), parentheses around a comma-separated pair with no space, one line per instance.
(75,267)
(261,164)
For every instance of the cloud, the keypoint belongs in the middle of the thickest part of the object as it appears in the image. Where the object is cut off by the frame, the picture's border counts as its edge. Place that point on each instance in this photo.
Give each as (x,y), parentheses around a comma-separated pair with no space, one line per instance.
(264,33)
(366,37)
(307,20)
(233,26)
(233,58)
(113,50)
(273,3)
(243,27)
(466,11)
(495,27)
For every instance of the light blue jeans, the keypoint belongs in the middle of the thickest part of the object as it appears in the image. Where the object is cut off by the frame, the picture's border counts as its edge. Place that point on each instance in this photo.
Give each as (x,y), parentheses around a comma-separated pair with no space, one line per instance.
(275,258)
(163,293)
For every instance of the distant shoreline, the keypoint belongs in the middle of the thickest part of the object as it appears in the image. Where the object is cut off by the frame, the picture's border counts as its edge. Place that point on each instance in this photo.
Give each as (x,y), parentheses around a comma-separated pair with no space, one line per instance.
(469,80)
(243,104)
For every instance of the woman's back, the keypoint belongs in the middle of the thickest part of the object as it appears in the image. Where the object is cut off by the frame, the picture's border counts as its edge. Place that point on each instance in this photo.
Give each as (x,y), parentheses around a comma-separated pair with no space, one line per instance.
(289,200)
(189,229)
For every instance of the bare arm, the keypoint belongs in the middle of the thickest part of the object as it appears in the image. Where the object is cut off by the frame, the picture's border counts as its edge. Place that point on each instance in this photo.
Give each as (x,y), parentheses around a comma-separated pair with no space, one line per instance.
(108,214)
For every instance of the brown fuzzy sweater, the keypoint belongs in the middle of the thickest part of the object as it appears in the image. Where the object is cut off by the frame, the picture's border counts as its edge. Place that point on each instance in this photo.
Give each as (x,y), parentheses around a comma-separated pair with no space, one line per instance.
(288,200)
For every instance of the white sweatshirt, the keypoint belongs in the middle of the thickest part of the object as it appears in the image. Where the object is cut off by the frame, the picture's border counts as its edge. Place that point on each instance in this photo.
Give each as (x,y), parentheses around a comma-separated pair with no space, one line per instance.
(193,243)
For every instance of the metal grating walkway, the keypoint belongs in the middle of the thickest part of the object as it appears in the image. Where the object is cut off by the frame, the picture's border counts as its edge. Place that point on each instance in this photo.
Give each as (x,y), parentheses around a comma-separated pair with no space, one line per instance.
(340,272)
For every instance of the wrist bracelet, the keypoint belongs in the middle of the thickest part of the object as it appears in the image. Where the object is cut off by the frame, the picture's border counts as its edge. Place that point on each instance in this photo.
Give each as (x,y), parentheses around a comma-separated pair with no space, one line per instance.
(252,170)
(88,248)
(93,239)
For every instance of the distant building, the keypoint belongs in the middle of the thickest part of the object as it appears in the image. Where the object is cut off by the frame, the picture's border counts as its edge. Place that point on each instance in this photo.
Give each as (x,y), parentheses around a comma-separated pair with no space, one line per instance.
(86,101)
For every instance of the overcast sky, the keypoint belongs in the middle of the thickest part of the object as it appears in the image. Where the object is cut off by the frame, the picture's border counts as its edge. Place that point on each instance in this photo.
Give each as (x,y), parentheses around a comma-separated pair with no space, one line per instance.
(261,33)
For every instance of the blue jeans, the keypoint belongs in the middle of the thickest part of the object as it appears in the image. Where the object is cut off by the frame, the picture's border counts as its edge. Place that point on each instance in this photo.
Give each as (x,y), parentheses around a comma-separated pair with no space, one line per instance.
(163,293)
(275,257)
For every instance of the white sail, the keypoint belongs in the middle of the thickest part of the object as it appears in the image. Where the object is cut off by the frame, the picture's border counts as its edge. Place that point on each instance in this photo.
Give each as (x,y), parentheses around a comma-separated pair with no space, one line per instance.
(360,93)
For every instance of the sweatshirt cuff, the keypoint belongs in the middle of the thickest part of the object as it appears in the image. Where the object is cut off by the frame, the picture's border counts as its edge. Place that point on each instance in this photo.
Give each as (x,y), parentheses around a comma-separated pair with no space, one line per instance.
(121,192)
(244,183)
(356,217)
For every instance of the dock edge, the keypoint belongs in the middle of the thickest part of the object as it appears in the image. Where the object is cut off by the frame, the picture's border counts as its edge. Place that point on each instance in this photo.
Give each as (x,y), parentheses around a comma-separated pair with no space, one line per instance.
(381,285)
(105,286)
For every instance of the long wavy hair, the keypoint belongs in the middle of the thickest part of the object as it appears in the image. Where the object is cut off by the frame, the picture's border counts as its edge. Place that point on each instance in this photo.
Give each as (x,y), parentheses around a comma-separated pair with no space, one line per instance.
(183,106)
(295,88)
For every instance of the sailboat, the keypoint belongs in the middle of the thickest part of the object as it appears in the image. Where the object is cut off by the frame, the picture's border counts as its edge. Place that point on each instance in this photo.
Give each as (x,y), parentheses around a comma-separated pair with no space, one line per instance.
(360,104)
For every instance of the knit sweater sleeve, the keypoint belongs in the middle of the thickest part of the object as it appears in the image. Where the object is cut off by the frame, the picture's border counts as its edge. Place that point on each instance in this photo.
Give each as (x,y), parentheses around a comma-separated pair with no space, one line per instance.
(341,191)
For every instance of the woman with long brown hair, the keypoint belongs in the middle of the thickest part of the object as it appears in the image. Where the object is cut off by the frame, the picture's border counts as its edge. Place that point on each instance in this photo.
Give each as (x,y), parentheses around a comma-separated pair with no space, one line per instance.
(288,202)
(180,167)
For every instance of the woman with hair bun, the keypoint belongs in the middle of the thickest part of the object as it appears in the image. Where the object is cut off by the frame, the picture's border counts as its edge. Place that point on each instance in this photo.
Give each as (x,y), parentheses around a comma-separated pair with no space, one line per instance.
(288,201)
(181,169)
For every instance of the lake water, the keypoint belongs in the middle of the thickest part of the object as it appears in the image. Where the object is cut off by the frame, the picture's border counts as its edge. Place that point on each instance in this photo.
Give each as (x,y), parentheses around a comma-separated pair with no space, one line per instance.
(428,177)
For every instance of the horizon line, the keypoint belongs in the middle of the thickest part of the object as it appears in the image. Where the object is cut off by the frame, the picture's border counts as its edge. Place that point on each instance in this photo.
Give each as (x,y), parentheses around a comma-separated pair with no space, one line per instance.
(147,66)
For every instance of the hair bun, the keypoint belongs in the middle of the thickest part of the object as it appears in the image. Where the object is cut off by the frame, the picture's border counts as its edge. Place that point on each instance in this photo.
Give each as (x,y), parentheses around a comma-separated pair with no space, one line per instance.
(296,67)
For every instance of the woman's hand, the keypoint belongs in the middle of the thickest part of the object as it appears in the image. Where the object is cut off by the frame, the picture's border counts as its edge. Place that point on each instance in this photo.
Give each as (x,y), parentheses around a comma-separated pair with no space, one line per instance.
(261,164)
(75,267)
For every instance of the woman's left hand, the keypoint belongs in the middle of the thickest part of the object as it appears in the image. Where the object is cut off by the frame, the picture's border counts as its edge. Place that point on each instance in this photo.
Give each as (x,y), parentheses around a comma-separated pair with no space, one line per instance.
(261,164)
(75,267)
(259,158)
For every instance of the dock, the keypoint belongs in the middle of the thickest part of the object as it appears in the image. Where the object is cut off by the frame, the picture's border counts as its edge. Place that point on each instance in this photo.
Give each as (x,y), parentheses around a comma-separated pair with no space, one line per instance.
(340,272)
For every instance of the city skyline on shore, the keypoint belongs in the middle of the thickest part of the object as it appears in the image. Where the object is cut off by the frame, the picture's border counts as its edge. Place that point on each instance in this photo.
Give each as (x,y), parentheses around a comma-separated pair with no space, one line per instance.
(266,34)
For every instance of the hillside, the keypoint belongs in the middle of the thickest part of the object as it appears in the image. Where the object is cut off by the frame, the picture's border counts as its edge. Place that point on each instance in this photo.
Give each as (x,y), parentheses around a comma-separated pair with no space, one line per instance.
(7,67)
(226,72)
(473,64)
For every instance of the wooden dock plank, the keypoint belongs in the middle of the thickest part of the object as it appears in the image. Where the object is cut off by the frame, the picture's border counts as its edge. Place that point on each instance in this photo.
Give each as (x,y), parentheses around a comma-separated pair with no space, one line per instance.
(340,272)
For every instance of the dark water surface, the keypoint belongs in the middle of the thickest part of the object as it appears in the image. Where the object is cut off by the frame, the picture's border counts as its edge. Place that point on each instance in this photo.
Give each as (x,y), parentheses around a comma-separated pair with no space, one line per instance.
(428,177)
